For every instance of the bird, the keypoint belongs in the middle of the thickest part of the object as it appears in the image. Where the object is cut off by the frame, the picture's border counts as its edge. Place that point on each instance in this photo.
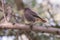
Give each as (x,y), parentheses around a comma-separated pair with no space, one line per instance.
(31,16)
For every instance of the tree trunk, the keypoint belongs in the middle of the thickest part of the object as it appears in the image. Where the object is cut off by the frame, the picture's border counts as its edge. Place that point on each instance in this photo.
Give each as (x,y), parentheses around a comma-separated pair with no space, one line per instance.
(19,4)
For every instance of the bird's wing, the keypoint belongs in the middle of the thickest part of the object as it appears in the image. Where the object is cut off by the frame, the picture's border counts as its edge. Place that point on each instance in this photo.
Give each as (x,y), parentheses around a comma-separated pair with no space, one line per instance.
(33,14)
(36,15)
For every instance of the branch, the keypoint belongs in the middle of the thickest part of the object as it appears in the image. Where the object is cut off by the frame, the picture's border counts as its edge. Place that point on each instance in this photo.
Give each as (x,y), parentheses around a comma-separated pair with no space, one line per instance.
(27,28)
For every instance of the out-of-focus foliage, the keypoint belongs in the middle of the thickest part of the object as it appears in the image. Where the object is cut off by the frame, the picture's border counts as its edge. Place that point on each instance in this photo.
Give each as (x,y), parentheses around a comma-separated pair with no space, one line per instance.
(52,17)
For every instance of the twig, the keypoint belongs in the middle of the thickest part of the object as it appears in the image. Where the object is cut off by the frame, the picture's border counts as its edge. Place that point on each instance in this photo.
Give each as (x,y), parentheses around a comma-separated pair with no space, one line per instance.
(3,7)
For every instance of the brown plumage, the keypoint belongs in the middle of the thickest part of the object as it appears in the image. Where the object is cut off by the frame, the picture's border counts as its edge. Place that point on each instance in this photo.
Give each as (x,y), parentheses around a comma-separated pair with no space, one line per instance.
(31,16)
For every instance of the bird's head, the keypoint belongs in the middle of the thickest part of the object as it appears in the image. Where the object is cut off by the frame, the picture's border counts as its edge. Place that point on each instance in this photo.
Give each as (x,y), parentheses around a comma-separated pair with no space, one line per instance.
(26,9)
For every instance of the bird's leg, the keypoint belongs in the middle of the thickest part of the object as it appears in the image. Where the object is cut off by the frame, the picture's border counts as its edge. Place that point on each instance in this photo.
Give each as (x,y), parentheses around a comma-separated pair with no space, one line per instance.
(31,25)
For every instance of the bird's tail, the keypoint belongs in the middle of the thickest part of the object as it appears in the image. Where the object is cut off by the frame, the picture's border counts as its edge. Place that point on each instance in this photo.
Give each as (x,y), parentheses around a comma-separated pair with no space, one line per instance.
(42,20)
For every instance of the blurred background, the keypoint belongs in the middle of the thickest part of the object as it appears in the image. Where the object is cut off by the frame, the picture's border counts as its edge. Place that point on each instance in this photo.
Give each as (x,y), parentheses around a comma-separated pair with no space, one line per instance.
(47,9)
